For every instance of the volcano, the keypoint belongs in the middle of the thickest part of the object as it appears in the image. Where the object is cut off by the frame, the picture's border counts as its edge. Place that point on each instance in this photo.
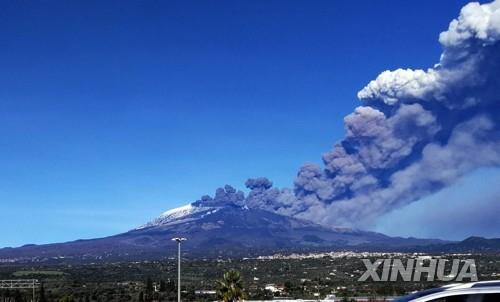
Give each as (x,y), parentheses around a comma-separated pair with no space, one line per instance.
(214,230)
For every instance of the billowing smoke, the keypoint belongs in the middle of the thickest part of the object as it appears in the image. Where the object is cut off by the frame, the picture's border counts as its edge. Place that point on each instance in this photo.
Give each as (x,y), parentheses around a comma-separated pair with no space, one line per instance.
(223,197)
(416,132)
(263,196)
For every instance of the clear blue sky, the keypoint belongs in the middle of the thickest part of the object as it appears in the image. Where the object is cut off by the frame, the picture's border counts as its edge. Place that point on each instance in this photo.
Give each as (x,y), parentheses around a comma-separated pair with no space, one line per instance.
(114,111)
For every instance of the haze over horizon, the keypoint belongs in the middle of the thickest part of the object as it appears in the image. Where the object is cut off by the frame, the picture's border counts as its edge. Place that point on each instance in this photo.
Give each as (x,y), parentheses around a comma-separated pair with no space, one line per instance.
(115,112)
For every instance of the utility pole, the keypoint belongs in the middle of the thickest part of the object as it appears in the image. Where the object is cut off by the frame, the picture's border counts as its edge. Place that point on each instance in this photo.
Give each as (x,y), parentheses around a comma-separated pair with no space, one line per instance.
(179,240)
(20,283)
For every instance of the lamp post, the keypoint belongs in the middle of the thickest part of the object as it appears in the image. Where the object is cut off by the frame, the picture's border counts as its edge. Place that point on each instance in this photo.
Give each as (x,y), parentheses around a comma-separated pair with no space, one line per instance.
(179,240)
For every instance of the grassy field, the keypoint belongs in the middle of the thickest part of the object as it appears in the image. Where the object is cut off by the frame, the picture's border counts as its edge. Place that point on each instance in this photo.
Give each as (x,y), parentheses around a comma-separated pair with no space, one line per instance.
(38,273)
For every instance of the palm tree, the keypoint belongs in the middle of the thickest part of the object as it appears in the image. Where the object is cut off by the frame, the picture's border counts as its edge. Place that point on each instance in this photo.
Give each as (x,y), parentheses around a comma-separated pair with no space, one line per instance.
(230,289)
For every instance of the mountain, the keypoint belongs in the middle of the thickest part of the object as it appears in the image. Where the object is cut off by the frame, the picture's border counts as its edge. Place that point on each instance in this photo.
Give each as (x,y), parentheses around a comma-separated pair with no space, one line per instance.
(213,230)
(472,244)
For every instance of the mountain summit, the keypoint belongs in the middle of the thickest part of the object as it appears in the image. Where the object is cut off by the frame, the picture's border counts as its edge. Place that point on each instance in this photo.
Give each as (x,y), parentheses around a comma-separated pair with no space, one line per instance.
(213,229)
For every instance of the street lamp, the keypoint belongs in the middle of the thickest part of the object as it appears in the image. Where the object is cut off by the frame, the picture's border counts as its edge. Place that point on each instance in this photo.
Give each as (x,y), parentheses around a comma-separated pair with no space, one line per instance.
(179,240)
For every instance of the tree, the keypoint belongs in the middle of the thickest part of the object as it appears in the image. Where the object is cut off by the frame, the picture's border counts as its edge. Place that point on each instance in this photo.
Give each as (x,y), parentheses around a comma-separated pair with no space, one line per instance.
(42,294)
(170,285)
(149,290)
(163,286)
(17,296)
(141,297)
(149,285)
(6,294)
(288,286)
(230,288)
(67,298)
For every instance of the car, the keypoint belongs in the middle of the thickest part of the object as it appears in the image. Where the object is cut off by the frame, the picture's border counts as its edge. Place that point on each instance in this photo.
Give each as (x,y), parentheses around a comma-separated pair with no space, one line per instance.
(483,291)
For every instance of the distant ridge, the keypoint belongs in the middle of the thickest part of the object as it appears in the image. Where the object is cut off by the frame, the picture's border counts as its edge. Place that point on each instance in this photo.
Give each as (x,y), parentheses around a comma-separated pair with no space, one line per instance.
(473,244)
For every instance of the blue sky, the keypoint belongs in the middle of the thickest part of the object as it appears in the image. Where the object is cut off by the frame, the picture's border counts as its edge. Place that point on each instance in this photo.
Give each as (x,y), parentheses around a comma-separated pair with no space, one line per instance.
(466,208)
(114,111)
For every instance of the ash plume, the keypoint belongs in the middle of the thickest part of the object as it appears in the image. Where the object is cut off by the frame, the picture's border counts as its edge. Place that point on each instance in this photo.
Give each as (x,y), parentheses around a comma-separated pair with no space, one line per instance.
(416,132)
(223,196)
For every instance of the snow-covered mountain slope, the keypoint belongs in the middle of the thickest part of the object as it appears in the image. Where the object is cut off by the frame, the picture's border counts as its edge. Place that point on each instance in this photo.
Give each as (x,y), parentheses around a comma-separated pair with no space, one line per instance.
(181,214)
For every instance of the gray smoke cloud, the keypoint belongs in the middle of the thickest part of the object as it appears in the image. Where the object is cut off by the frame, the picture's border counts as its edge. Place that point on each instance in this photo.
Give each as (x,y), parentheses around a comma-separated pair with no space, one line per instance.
(263,196)
(416,132)
(223,197)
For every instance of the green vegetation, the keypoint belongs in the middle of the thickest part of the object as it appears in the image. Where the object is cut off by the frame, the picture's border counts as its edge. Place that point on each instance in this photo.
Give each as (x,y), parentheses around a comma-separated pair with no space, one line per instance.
(230,288)
(149,281)
(35,273)
(42,297)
